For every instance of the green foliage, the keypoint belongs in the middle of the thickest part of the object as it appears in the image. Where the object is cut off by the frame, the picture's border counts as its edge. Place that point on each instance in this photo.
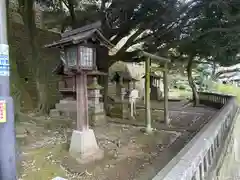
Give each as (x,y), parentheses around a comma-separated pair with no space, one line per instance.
(213,34)
(182,87)
(155,22)
(180,84)
(202,28)
(227,89)
(187,31)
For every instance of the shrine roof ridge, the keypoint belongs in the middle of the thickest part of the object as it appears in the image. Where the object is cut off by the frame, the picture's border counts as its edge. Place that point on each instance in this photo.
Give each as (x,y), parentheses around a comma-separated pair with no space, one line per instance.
(81,34)
(72,39)
(96,25)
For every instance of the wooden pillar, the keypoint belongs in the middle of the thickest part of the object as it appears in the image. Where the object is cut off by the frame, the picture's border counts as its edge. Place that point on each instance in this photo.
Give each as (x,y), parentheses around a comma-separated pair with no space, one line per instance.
(82,102)
(147,96)
(165,79)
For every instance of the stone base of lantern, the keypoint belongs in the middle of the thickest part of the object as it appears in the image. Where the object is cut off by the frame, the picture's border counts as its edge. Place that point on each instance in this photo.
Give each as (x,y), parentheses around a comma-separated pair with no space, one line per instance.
(98,119)
(120,110)
(84,147)
(125,111)
(97,116)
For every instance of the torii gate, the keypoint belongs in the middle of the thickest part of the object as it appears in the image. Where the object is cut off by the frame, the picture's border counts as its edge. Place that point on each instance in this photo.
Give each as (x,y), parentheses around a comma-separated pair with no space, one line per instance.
(159,60)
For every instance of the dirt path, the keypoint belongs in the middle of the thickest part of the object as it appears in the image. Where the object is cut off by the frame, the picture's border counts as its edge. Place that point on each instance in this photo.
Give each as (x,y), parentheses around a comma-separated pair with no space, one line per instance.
(127,151)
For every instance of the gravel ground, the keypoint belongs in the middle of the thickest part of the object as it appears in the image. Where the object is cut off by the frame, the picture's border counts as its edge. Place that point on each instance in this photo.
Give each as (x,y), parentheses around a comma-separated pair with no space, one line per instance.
(129,153)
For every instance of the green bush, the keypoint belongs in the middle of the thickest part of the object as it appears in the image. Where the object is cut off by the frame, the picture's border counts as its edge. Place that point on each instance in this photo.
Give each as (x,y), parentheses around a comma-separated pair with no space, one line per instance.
(227,89)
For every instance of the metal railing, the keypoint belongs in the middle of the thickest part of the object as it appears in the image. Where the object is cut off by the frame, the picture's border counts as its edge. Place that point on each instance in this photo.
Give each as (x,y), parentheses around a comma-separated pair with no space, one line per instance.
(198,159)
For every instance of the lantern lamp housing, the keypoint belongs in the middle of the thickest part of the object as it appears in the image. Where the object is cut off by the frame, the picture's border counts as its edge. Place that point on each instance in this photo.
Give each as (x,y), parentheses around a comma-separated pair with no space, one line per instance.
(79,47)
(79,57)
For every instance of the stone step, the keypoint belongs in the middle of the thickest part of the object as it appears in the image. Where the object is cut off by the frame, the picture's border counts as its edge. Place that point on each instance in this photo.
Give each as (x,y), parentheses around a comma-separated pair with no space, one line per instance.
(70,107)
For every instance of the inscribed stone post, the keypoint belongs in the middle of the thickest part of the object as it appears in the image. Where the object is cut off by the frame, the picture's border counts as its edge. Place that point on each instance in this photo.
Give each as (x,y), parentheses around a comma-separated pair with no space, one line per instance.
(124,104)
(118,89)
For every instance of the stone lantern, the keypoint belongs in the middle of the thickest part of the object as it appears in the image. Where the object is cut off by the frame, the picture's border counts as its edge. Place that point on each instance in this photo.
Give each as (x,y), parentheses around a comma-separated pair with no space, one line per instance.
(97,114)
(80,47)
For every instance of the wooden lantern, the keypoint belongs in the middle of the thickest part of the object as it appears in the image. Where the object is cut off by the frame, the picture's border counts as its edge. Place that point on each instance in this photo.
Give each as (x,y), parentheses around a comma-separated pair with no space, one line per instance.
(79,57)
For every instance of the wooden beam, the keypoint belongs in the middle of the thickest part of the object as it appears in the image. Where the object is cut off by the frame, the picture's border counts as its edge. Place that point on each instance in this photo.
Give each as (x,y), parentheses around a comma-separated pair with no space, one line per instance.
(154,57)
(82,102)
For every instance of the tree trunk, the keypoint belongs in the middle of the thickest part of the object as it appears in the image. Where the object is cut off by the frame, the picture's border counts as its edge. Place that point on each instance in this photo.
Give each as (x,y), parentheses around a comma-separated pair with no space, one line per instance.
(40,79)
(191,82)
(38,65)
(27,11)
(72,14)
(214,68)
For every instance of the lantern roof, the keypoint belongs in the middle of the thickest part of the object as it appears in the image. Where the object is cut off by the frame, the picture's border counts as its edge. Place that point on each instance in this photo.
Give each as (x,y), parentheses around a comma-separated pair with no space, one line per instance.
(80,35)
(96,73)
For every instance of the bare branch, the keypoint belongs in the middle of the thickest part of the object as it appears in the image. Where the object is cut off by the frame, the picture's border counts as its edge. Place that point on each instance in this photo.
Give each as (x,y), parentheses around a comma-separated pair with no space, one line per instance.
(214,30)
(130,41)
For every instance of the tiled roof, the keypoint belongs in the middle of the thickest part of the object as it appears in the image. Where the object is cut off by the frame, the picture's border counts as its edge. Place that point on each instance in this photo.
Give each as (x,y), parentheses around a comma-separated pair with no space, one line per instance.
(81,34)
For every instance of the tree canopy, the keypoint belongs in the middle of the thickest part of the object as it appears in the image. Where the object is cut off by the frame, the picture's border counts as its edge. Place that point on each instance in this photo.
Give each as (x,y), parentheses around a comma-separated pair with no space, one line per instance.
(185,30)
(206,28)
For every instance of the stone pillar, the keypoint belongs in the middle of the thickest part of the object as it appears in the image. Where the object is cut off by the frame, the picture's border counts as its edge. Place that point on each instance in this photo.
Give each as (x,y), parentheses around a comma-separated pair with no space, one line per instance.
(124,104)
(123,93)
(119,85)
(96,110)
(118,89)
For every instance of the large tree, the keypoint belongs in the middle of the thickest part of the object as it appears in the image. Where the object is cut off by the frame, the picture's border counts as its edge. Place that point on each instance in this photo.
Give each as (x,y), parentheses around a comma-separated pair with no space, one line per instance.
(213,35)
(151,25)
(27,11)
(199,29)
(155,24)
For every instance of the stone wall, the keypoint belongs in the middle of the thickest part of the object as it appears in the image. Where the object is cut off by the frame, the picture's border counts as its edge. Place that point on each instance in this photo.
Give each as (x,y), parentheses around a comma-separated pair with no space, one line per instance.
(20,57)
